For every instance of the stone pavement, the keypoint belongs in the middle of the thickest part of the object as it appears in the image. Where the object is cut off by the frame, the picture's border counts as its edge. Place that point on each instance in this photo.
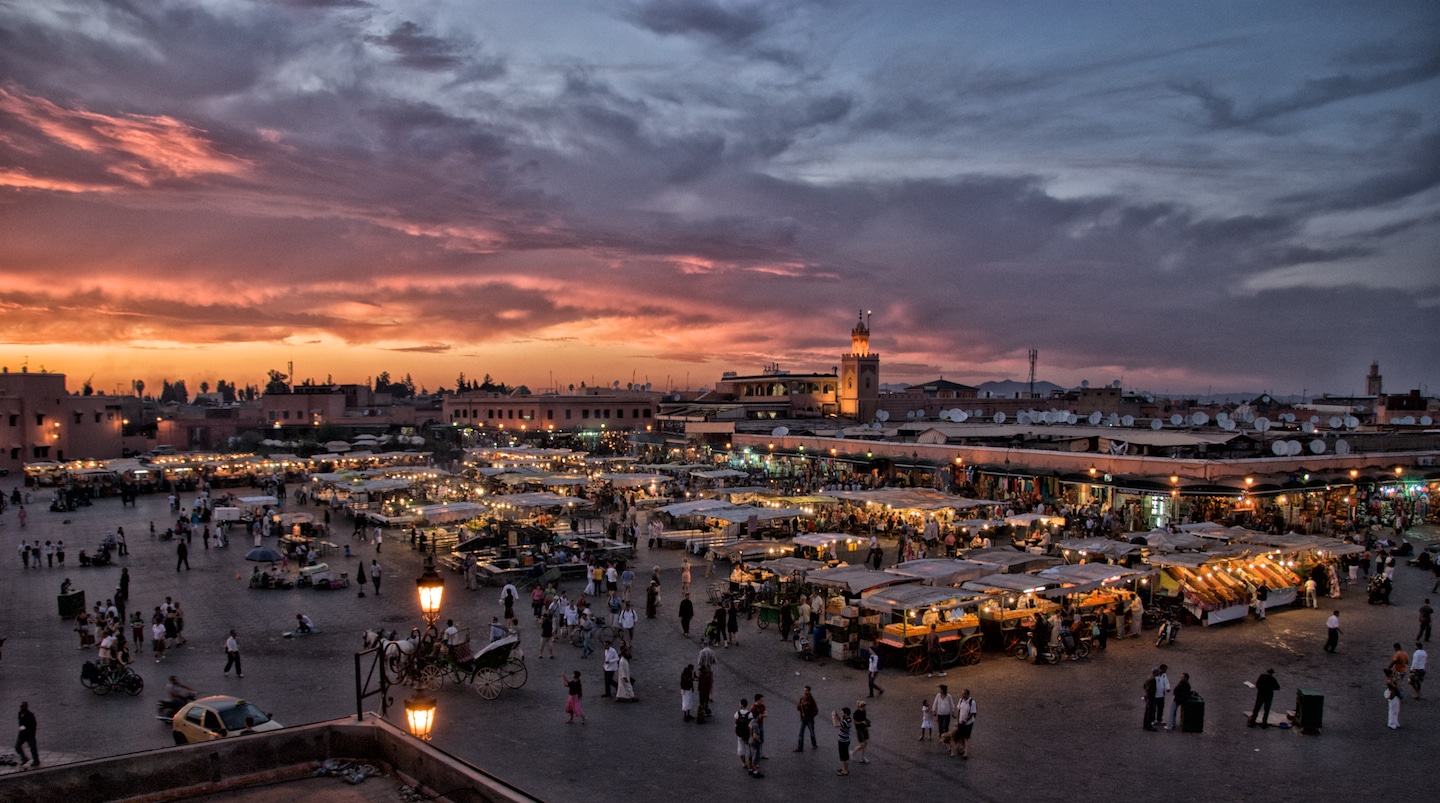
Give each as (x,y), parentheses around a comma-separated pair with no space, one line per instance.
(1070,731)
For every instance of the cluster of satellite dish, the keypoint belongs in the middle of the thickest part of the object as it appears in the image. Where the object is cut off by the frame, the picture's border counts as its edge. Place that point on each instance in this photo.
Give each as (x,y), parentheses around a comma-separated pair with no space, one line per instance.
(1410,421)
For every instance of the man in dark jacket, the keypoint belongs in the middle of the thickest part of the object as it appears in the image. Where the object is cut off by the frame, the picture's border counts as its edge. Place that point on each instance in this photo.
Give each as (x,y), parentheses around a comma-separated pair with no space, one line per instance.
(27,736)
(1265,689)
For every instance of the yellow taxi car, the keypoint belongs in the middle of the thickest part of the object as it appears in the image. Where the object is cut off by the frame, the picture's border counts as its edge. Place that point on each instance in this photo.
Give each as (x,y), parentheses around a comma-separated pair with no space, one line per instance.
(217,717)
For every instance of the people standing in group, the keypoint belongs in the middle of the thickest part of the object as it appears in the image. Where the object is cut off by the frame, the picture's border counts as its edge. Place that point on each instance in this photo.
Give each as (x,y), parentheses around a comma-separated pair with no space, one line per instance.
(843,725)
(232,655)
(808,710)
(1265,688)
(744,734)
(1151,684)
(1181,694)
(1162,688)
(943,707)
(1332,632)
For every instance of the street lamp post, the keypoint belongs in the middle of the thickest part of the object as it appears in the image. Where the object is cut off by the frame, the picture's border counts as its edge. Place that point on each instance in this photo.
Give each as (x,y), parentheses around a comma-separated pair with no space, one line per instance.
(419,708)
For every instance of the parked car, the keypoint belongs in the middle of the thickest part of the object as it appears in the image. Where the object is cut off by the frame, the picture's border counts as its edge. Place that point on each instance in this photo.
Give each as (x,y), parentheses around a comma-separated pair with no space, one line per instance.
(217,717)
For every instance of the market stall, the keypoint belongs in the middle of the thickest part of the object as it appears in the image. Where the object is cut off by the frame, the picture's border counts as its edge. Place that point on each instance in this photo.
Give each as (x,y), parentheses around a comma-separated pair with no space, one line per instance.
(839,588)
(1011,561)
(908,613)
(941,571)
(832,546)
(1091,587)
(1217,588)
(1015,599)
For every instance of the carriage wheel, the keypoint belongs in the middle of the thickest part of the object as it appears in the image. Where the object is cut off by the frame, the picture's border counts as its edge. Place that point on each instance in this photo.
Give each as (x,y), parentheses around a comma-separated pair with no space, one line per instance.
(916,661)
(514,674)
(432,677)
(1013,642)
(970,651)
(133,685)
(487,682)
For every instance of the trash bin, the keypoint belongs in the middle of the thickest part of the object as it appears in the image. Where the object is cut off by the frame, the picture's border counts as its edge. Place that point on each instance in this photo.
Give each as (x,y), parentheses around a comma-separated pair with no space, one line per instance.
(1192,715)
(1309,710)
(70,604)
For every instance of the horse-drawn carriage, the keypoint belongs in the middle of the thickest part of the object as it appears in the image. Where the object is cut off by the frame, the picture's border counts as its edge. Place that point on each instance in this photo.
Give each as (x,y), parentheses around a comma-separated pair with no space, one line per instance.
(428,664)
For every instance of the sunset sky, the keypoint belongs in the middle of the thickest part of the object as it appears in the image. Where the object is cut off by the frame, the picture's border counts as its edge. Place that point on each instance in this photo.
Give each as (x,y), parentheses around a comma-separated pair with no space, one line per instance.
(1185,196)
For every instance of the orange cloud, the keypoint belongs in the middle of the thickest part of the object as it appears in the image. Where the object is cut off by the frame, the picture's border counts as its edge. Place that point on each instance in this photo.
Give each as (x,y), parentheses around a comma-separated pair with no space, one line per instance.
(139,149)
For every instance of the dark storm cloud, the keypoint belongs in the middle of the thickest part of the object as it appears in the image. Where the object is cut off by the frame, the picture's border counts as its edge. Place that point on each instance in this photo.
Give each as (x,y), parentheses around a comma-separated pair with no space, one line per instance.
(1224,111)
(418,50)
(1420,172)
(729,23)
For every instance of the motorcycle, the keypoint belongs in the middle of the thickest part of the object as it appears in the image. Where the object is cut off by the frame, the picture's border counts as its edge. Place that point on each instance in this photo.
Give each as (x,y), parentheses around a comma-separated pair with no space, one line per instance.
(1046,653)
(803,650)
(167,707)
(1169,631)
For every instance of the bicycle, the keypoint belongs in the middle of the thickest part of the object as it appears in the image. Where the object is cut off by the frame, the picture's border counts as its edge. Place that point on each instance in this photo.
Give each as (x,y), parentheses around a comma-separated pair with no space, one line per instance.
(599,633)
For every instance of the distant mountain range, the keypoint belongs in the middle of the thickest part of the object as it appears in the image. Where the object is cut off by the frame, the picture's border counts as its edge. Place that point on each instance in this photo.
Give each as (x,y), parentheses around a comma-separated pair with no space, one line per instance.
(1008,388)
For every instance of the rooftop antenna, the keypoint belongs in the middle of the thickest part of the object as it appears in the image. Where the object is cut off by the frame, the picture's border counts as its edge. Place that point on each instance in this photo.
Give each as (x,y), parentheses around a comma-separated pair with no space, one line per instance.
(1034,355)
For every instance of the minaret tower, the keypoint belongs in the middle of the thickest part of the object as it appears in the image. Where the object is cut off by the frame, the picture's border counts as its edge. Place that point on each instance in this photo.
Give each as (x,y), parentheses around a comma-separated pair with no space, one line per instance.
(860,375)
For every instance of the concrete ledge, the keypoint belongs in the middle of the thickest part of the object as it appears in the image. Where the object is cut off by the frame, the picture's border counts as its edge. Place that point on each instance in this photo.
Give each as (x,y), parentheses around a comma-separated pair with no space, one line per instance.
(188,771)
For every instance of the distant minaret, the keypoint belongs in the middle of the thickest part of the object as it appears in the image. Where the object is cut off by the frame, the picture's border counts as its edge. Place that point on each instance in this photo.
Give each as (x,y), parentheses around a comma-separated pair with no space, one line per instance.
(1372,381)
(859,375)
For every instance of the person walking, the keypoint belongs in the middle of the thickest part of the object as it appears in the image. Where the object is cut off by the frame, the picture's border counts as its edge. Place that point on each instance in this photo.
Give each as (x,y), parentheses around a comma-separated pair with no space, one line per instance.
(624,684)
(575,692)
(1418,660)
(1399,662)
(1332,632)
(1149,687)
(743,733)
(965,716)
(1426,614)
(182,555)
(610,663)
(1265,688)
(375,575)
(862,732)
(26,737)
(809,710)
(843,726)
(687,692)
(378,539)
(874,671)
(232,655)
(943,706)
(1392,696)
(687,612)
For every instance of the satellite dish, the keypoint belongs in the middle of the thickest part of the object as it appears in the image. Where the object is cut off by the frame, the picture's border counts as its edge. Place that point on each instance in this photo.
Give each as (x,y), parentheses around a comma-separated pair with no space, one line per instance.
(1127,420)
(978,413)
(1176,419)
(1336,422)
(1227,425)
(1155,424)
(1050,416)
(1307,427)
(882,415)
(1222,416)
(1426,420)
(1314,419)
(1342,448)
(780,432)
(1022,418)
(909,414)
(1409,421)
(1294,447)
(840,433)
(960,416)
(999,418)
(1262,424)
(1317,446)
(1351,422)
(1113,420)
(1094,418)
(1278,448)
(1071,418)
(1201,419)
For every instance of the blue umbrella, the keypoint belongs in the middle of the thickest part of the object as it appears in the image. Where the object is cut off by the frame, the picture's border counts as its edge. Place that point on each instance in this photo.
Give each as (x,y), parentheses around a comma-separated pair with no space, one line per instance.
(263,554)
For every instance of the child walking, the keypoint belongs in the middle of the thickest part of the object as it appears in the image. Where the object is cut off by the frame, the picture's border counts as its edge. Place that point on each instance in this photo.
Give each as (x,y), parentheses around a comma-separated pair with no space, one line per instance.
(927,722)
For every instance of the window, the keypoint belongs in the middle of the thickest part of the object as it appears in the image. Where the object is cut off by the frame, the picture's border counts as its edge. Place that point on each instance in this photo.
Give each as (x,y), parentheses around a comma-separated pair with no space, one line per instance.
(584,413)
(549,415)
(647,412)
(97,418)
(42,451)
(489,413)
(568,411)
(635,413)
(14,420)
(509,413)
(39,419)
(620,413)
(15,453)
(474,413)
(287,414)
(78,417)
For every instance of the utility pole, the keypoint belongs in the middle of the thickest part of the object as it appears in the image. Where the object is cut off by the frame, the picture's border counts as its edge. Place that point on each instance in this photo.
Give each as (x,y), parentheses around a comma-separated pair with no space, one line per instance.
(1034,355)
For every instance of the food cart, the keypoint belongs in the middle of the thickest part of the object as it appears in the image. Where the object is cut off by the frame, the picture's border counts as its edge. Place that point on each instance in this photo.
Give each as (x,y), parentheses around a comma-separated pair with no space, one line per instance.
(782,579)
(1015,599)
(1217,588)
(912,610)
(832,546)
(840,587)
(941,571)
(1011,561)
(1034,530)
(1091,587)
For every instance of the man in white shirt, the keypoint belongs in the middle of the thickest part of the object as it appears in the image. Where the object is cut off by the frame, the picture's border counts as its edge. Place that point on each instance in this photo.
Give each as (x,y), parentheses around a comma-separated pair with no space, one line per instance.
(1417,667)
(1332,632)
(452,634)
(874,670)
(626,622)
(1162,688)
(611,663)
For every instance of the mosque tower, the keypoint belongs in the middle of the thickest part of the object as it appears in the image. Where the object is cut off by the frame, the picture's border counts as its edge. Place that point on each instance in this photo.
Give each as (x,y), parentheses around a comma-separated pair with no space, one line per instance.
(1372,380)
(860,376)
